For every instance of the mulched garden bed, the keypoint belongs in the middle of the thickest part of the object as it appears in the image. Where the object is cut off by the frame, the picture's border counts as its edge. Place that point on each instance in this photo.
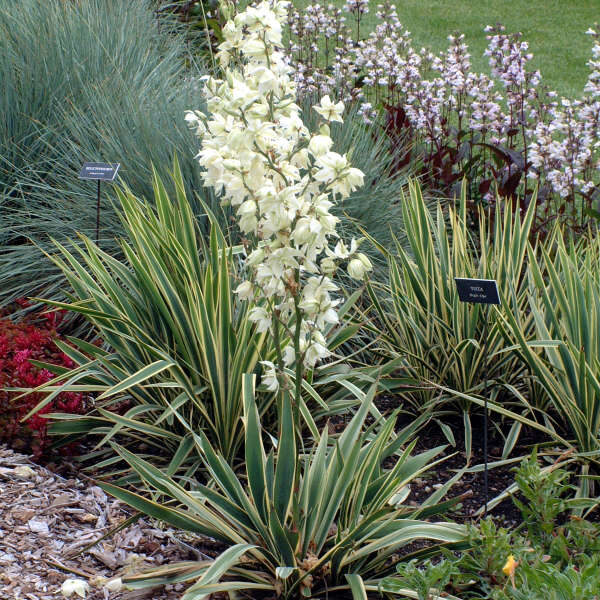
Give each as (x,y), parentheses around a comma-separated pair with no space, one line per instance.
(471,485)
(49,517)
(46,522)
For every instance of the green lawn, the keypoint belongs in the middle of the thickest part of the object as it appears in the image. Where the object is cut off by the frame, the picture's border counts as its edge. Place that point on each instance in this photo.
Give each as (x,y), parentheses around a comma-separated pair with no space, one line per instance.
(555,30)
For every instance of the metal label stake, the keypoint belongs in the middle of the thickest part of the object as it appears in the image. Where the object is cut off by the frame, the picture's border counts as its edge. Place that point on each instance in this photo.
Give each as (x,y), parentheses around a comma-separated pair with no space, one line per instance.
(99,172)
(481,291)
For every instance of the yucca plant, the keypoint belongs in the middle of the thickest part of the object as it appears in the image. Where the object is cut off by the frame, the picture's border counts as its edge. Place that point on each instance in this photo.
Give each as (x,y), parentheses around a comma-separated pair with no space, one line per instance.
(421,317)
(564,299)
(328,520)
(175,340)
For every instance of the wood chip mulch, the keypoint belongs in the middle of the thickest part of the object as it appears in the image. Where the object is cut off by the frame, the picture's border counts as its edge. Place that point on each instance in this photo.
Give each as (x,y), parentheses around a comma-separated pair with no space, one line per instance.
(45,523)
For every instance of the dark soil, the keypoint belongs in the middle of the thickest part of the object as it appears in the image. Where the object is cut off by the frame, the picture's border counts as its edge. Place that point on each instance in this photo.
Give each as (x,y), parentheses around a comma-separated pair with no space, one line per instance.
(471,486)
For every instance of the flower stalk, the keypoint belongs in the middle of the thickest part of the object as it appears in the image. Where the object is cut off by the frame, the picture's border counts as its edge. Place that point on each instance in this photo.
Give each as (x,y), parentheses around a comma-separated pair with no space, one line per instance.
(282,181)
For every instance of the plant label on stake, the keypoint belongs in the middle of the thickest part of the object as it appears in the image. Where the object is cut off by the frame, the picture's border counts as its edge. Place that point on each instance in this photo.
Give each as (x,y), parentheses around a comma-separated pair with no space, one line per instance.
(481,291)
(99,172)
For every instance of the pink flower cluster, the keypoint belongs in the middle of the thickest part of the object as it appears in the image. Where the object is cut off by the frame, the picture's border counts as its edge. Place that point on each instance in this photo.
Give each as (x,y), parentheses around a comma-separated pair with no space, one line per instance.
(499,130)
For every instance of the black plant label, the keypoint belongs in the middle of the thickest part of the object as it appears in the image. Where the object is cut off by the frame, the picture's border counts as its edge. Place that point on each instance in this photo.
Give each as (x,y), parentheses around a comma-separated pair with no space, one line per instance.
(480,291)
(103,171)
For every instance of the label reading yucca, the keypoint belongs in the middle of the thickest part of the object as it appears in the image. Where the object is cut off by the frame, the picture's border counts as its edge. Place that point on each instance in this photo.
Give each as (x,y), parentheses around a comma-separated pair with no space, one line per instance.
(480,291)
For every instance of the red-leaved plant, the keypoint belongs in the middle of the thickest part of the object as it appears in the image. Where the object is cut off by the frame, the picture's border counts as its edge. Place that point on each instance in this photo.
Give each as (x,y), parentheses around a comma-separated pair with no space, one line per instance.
(20,343)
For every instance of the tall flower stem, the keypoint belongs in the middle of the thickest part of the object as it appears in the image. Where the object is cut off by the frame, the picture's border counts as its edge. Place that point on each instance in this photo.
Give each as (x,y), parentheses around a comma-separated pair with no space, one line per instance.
(280,363)
(299,363)
(281,180)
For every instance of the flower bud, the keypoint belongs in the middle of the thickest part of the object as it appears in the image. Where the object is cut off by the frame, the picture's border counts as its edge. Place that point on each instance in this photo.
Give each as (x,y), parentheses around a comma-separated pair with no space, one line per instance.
(269,378)
(231,164)
(114,585)
(359,266)
(245,290)
(328,266)
(320,144)
(255,257)
(226,9)
(289,355)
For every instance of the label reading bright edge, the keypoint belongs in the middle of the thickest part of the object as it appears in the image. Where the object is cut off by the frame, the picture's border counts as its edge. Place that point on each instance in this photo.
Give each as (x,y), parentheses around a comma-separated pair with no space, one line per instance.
(481,291)
(103,171)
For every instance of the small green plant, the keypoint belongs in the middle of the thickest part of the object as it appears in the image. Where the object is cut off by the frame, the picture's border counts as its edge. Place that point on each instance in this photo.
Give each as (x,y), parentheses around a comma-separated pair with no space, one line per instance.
(576,537)
(542,558)
(428,579)
(544,498)
(490,545)
(539,580)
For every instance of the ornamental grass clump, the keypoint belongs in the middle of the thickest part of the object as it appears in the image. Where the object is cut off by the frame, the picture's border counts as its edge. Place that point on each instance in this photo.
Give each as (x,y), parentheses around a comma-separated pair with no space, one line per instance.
(103,82)
(176,342)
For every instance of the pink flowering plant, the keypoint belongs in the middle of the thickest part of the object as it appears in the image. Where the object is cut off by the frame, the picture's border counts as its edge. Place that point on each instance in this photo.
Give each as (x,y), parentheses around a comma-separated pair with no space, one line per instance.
(502,131)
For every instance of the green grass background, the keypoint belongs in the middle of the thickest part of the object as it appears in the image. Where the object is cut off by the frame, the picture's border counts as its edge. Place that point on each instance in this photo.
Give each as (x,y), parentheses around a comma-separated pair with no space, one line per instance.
(555,30)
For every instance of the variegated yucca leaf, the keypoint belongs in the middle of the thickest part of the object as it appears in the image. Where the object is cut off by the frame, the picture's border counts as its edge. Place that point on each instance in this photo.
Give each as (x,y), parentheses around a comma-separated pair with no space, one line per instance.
(564,300)
(176,341)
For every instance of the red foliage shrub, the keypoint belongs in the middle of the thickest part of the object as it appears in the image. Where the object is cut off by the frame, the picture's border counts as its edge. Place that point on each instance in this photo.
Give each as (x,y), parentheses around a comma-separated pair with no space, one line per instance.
(21,342)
